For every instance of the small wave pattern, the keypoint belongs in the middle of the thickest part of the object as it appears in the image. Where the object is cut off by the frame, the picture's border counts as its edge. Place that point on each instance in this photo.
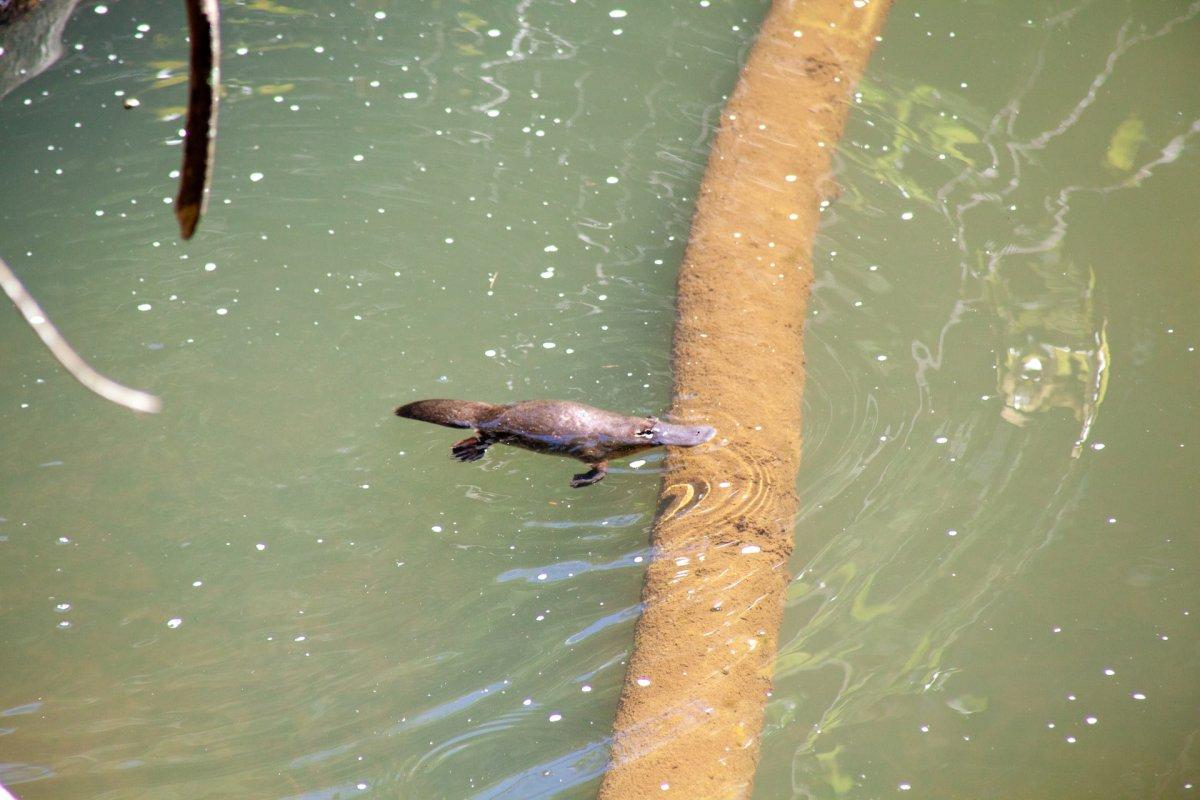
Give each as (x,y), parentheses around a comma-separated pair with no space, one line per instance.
(957,363)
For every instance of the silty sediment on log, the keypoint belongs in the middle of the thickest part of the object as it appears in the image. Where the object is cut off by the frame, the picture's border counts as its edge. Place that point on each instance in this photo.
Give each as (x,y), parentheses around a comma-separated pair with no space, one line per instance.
(691,710)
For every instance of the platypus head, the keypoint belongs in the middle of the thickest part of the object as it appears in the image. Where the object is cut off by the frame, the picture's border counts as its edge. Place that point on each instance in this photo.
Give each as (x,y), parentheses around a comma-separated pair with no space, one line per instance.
(661,433)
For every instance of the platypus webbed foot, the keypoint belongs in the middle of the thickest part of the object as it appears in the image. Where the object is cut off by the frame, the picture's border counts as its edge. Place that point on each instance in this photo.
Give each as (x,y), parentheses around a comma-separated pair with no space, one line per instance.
(593,475)
(469,449)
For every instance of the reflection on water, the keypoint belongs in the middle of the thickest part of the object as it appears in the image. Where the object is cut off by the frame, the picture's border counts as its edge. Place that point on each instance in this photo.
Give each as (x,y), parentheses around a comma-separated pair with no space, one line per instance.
(1054,350)
(275,591)
(946,632)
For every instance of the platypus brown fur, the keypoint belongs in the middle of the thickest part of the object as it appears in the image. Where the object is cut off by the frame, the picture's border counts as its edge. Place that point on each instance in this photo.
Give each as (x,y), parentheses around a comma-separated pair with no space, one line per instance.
(557,427)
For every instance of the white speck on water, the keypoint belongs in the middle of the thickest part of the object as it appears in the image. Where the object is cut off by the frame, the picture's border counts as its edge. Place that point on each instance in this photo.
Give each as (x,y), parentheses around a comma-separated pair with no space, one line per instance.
(618,13)
(555,717)
(924,729)
(904,787)
(318,49)
(144,307)
(64,623)
(585,688)
(1091,720)
(641,462)
(790,178)
(906,216)
(549,249)
(493,112)
(222,312)
(638,559)
(541,576)
(941,440)
(1138,696)
(751,549)
(436,529)
(358,157)
(1070,740)
(490,353)
(548,273)
(197,584)
(1109,671)
(682,561)
(612,179)
(952,533)
(528,701)
(664,786)
(174,622)
(362,787)
(410,95)
(449,240)
(101,9)
(209,267)
(881,358)
(1098,446)
(63,540)
(378,15)
(63,607)
(643,681)
(549,345)
(260,547)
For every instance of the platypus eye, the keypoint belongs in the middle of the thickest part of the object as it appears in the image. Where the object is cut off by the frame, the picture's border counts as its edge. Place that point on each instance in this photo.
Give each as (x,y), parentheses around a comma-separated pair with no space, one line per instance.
(646,433)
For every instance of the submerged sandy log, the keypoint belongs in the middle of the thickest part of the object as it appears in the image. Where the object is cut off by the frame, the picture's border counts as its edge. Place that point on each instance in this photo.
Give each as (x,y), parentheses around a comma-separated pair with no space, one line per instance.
(691,710)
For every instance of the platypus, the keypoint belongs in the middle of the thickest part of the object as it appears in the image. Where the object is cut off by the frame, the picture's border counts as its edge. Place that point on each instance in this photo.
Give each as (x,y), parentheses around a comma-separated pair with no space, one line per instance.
(558,427)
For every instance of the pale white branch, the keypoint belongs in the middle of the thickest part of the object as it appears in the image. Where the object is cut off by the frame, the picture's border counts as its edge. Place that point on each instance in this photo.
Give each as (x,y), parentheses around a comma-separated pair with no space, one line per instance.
(72,362)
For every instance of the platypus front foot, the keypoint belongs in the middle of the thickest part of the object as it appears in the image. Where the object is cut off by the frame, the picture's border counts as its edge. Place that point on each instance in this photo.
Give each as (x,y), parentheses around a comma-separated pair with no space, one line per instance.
(593,475)
(469,449)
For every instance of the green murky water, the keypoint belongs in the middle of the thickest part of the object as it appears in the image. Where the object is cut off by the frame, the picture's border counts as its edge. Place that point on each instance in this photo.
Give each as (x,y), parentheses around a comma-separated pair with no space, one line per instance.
(275,589)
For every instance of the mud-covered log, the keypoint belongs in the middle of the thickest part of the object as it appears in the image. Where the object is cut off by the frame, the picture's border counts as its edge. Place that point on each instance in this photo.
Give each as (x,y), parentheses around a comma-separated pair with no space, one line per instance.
(200,138)
(691,709)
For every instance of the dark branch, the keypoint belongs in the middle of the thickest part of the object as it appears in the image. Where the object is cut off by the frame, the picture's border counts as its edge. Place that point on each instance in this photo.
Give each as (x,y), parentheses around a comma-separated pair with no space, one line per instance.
(200,140)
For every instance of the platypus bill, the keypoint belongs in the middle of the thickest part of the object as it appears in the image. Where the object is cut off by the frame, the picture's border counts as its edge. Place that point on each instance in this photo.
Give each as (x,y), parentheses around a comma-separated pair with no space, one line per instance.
(557,427)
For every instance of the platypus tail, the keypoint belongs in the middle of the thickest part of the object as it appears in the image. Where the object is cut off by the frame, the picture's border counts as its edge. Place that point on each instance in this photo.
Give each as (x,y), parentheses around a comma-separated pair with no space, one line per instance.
(451,413)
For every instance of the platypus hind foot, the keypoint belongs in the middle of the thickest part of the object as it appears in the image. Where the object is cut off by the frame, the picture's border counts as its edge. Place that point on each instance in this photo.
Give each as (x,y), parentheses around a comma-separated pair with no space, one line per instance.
(469,449)
(593,475)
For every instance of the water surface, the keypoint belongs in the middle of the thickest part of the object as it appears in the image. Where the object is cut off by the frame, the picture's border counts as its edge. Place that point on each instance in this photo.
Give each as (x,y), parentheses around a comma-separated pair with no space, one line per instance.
(276,589)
